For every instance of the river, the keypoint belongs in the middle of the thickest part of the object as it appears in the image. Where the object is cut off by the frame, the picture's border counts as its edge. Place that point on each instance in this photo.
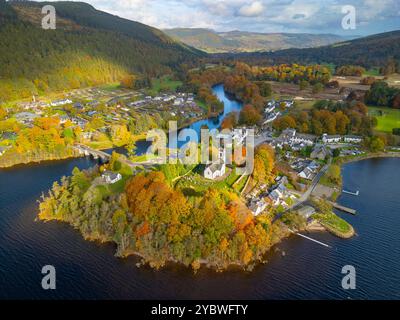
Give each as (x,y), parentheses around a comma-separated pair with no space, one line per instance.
(230,105)
(87,270)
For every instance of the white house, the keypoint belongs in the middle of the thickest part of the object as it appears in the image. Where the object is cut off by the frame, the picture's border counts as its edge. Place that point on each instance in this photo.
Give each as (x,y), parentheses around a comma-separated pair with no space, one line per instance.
(215,170)
(353,139)
(178,101)
(331,138)
(62,102)
(111,177)
(274,197)
(270,107)
(271,117)
(307,139)
(2,150)
(306,173)
(288,103)
(309,171)
(258,206)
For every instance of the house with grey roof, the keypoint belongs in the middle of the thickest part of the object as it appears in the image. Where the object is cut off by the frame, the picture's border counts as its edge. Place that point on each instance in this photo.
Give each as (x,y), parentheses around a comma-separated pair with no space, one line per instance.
(320,152)
(111,177)
(215,170)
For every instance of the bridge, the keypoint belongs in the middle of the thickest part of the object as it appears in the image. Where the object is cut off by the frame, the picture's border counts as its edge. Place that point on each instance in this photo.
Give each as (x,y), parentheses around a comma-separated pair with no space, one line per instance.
(104,156)
(96,154)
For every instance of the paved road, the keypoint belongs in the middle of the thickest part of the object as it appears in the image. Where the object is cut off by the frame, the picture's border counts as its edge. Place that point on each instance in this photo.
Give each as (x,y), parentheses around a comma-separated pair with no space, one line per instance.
(306,195)
(314,183)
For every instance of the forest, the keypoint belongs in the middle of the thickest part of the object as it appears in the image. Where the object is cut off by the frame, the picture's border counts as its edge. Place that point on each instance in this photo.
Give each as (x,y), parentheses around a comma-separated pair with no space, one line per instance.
(331,118)
(152,219)
(381,94)
(368,52)
(88,48)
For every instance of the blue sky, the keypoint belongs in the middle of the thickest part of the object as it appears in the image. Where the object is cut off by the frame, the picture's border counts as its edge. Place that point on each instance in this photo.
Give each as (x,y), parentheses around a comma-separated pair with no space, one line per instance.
(313,16)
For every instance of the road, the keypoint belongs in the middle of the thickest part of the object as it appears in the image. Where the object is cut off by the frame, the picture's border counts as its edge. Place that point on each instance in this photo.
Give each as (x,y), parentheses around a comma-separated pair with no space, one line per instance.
(306,195)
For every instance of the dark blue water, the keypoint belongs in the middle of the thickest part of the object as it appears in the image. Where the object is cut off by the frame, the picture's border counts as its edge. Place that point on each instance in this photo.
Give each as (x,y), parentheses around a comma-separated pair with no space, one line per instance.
(86,270)
(230,105)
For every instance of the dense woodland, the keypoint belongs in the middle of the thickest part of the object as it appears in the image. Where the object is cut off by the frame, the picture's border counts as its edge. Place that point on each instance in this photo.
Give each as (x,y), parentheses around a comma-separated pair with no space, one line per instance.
(368,52)
(381,94)
(161,224)
(331,118)
(88,48)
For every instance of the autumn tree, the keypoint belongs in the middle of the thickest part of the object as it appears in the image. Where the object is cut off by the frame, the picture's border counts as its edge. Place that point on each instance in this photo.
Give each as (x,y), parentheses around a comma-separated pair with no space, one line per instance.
(230,121)
(249,116)
(264,162)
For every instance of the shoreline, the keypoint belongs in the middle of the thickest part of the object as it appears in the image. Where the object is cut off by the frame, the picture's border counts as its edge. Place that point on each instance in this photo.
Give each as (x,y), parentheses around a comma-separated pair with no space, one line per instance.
(341,162)
(144,261)
(390,154)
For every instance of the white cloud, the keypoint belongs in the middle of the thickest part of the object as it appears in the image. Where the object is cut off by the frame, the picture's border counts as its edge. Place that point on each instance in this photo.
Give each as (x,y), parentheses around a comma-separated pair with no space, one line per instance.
(255,9)
(314,16)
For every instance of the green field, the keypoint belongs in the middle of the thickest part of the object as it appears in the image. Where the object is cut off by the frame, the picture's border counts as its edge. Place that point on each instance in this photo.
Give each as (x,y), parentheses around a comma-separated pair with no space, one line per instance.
(110,86)
(335,223)
(164,84)
(387,118)
(374,72)
(304,105)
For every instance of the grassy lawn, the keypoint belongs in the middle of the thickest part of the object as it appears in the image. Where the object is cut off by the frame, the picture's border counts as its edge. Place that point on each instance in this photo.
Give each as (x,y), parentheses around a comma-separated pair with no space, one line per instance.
(164,83)
(100,145)
(334,222)
(199,184)
(110,86)
(202,105)
(240,185)
(387,118)
(374,72)
(304,105)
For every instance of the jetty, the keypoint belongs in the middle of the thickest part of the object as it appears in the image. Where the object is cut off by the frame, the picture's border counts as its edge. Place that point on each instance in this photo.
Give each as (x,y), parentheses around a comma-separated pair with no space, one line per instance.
(343,208)
(352,193)
(308,238)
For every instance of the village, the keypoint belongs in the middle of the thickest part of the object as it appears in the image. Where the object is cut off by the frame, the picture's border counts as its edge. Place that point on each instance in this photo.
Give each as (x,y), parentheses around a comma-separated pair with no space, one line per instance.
(307,170)
(79,108)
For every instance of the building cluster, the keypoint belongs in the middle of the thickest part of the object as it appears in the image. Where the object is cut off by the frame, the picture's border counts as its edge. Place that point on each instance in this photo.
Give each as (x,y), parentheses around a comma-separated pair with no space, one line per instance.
(217,168)
(272,109)
(277,195)
(294,140)
(333,139)
(177,105)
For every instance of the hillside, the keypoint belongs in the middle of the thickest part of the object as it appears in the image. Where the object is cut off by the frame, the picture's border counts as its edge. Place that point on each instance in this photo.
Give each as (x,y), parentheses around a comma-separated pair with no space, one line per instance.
(89,47)
(371,51)
(239,41)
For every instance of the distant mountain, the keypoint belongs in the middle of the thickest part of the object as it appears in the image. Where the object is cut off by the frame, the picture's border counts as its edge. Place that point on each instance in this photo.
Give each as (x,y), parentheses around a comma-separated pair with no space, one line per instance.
(239,41)
(371,51)
(88,47)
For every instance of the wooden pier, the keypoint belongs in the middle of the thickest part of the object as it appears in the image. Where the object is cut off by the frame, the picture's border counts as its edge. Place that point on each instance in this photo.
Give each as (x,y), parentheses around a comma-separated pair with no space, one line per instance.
(343,208)
(352,193)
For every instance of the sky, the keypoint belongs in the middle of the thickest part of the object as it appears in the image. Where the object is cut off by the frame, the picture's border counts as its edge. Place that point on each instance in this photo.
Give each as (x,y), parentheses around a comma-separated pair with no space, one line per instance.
(295,16)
